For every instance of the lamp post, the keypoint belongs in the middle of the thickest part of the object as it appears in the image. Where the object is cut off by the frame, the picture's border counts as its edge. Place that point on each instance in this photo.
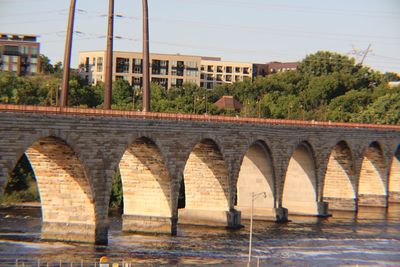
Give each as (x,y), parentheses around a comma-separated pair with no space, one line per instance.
(253,197)
(194,104)
(302,110)
(206,103)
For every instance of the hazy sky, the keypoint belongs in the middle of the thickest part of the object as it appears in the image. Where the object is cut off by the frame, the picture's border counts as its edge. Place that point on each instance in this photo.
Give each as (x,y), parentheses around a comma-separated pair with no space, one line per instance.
(240,30)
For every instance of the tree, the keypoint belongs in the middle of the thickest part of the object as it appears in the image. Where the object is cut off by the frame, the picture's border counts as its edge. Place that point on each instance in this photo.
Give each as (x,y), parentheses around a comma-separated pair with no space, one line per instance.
(45,66)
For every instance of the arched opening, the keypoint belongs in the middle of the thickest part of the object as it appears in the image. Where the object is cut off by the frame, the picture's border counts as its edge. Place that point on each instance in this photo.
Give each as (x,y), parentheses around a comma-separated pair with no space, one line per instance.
(339,179)
(146,188)
(21,185)
(66,199)
(256,175)
(299,194)
(206,186)
(373,178)
(394,178)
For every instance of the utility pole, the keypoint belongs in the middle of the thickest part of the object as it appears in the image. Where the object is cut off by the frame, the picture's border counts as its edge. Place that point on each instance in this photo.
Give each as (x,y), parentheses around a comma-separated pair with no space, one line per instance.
(109,57)
(67,54)
(360,53)
(365,54)
(146,58)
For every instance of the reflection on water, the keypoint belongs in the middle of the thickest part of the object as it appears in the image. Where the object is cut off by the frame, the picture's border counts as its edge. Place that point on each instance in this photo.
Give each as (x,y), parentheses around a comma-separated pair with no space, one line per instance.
(369,237)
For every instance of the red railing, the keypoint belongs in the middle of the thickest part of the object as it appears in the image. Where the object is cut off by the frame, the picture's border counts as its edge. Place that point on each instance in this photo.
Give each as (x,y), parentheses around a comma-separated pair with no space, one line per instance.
(186,117)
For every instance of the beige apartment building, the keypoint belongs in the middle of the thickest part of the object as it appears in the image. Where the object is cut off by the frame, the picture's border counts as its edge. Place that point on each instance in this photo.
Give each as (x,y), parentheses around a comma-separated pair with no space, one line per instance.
(167,70)
(217,72)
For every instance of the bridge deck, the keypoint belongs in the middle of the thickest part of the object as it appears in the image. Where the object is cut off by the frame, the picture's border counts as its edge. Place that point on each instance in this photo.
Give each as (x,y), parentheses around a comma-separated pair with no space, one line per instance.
(186,117)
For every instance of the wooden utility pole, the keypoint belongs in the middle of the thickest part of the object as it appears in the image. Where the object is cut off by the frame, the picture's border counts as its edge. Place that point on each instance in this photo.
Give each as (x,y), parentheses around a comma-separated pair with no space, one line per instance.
(109,56)
(146,58)
(67,55)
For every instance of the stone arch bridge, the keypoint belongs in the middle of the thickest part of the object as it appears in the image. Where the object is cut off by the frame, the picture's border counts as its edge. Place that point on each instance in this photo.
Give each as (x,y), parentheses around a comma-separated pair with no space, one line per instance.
(193,169)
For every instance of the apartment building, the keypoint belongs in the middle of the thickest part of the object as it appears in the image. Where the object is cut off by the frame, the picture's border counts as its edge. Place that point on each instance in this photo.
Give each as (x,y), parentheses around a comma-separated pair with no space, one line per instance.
(265,69)
(19,53)
(216,72)
(167,70)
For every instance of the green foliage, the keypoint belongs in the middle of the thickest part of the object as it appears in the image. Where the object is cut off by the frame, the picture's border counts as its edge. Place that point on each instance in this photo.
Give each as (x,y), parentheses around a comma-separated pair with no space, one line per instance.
(21,186)
(116,199)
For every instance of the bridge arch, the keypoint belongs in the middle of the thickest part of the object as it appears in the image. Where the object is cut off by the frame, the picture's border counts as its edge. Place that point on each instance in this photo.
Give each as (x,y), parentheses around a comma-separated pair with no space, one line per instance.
(394,178)
(146,187)
(256,175)
(300,185)
(67,199)
(372,184)
(339,183)
(206,185)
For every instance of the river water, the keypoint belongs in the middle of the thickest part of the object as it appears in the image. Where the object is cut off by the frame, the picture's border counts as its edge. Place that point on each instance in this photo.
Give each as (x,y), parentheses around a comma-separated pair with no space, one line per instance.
(370,237)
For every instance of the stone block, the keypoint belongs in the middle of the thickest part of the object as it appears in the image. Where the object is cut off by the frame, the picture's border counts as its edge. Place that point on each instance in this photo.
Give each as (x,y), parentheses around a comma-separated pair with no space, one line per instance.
(149,224)
(394,197)
(372,200)
(341,203)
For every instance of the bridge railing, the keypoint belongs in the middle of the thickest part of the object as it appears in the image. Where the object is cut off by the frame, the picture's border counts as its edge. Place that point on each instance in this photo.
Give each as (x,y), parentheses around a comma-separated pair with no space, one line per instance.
(186,117)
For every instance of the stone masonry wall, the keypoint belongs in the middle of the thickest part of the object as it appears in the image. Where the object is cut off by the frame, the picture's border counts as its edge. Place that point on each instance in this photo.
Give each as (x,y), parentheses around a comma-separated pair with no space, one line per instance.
(339,186)
(394,178)
(99,143)
(373,178)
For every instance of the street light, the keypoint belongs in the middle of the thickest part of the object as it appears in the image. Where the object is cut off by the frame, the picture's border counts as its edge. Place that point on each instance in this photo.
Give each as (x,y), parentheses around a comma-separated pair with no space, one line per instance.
(253,197)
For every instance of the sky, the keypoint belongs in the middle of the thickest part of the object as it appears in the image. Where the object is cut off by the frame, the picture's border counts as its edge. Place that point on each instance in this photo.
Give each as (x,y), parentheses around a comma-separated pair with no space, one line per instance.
(256,31)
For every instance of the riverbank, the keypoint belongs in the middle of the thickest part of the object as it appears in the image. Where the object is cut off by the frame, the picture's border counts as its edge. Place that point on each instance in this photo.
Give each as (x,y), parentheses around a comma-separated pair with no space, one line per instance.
(32,204)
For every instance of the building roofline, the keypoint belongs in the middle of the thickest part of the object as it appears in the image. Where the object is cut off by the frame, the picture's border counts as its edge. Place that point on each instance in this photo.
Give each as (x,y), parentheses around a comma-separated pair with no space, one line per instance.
(19,34)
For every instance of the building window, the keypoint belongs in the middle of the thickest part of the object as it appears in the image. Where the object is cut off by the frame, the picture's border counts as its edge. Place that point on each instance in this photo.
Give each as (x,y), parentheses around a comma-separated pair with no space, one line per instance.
(210,68)
(24,50)
(228,69)
(137,82)
(14,67)
(122,65)
(176,82)
(6,59)
(34,51)
(192,73)
(14,59)
(160,81)
(210,77)
(99,64)
(191,65)
(220,69)
(87,64)
(228,78)
(237,69)
(137,69)
(246,71)
(11,50)
(177,68)
(159,67)
(209,85)
(219,77)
